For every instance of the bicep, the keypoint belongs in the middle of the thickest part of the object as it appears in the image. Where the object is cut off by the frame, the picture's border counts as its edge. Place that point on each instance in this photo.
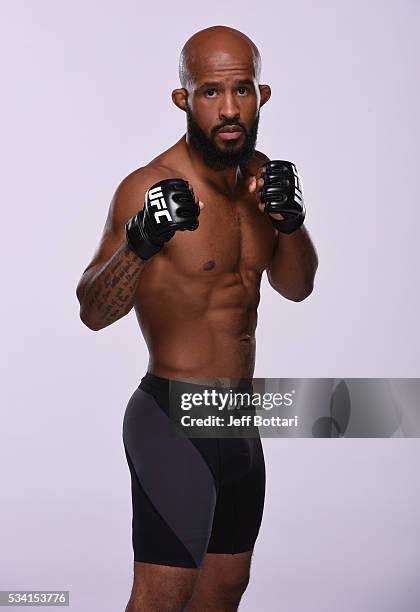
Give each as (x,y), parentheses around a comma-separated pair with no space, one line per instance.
(127,200)
(113,234)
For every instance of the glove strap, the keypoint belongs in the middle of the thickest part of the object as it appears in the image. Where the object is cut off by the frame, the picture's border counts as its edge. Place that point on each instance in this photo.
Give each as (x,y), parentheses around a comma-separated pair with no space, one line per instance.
(288,224)
(137,241)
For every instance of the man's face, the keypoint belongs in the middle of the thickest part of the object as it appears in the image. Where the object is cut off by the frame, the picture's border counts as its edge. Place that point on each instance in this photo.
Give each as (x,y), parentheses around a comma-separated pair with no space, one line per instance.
(223,94)
(232,151)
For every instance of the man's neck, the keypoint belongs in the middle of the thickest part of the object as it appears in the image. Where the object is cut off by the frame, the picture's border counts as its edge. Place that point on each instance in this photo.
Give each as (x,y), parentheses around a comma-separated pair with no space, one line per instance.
(226,181)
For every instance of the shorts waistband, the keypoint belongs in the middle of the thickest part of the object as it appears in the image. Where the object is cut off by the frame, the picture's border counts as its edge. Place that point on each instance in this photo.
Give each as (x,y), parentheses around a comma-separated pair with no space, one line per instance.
(162,384)
(154,381)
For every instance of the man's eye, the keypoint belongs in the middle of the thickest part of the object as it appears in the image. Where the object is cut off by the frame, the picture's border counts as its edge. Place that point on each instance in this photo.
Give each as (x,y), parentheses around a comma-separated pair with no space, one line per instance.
(210,91)
(243,90)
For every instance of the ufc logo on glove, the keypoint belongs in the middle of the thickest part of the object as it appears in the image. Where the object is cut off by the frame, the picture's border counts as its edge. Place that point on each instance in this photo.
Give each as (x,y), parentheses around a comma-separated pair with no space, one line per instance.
(156,198)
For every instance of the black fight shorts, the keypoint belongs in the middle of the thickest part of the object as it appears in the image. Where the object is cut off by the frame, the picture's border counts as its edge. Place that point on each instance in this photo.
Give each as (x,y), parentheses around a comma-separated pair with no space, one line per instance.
(189,495)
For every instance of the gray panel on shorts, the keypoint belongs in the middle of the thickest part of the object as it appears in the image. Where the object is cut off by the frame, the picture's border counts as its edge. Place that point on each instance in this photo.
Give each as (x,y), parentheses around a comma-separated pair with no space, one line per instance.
(171,471)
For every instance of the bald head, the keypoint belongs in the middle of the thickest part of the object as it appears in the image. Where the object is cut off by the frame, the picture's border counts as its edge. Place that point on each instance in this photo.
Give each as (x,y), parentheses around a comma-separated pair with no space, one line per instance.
(210,46)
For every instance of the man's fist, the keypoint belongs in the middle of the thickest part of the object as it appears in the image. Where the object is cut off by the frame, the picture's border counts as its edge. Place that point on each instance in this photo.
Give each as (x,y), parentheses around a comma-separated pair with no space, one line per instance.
(281,193)
(169,205)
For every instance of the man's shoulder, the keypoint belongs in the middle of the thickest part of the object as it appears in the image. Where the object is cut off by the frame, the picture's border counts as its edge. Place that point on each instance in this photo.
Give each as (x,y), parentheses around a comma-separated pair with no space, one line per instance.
(140,179)
(261,157)
(256,161)
(165,165)
(129,194)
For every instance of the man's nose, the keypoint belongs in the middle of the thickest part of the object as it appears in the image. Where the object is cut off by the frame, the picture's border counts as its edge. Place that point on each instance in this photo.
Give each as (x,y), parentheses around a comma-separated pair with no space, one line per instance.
(229,108)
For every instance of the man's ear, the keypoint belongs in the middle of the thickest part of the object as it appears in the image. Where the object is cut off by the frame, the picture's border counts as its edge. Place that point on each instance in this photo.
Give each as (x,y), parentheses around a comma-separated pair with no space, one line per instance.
(265,93)
(180,98)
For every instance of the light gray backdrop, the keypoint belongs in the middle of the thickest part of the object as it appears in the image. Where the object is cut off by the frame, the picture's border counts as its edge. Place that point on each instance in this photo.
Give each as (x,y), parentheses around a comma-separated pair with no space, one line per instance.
(86,100)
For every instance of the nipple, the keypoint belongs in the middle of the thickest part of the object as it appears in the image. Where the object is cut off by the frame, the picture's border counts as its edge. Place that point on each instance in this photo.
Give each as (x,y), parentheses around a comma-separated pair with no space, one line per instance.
(209,265)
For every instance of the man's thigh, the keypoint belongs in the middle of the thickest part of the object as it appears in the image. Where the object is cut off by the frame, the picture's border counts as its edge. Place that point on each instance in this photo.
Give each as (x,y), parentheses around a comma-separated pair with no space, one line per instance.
(222,578)
(161,586)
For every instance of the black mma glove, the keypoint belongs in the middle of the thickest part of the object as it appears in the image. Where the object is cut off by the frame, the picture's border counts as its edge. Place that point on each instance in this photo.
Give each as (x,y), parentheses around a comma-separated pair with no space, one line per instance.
(283,193)
(169,206)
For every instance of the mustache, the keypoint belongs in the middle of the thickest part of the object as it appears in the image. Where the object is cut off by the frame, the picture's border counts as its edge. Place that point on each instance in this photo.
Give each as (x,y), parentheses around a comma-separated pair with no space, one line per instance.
(228,124)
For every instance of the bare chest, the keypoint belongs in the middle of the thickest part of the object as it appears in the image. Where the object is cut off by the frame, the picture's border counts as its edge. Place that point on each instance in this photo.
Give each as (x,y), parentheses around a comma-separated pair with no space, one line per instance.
(233,235)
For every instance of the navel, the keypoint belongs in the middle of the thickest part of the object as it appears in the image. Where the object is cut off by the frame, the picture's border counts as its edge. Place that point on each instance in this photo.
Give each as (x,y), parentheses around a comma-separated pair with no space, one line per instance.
(209,265)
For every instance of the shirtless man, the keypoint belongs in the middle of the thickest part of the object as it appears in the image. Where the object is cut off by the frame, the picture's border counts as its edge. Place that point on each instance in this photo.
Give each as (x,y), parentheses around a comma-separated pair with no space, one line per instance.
(195,294)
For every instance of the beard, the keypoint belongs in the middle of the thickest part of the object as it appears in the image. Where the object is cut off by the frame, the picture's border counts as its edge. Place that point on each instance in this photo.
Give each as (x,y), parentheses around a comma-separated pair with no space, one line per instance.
(215,157)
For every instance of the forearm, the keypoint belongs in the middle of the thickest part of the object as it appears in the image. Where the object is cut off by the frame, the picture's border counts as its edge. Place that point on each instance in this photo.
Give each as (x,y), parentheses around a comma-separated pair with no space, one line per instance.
(106,292)
(292,269)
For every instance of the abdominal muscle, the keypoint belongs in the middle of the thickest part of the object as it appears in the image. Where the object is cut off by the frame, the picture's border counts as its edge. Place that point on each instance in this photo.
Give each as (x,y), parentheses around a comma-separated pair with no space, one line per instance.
(199,329)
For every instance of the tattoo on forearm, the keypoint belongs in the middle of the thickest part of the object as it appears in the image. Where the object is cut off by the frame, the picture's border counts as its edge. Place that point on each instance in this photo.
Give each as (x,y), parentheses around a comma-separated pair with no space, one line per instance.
(112,290)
